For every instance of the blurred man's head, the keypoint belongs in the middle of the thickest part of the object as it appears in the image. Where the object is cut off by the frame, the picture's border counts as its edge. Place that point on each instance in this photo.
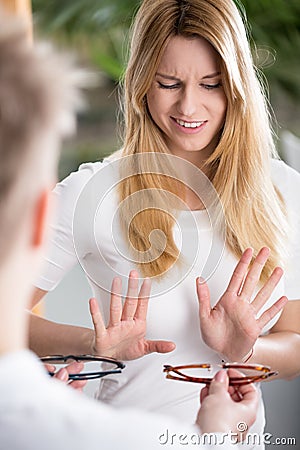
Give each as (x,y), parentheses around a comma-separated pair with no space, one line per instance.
(38,99)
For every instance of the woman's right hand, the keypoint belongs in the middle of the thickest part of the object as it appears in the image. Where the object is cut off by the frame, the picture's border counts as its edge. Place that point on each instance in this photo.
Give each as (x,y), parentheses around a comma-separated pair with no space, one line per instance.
(125,336)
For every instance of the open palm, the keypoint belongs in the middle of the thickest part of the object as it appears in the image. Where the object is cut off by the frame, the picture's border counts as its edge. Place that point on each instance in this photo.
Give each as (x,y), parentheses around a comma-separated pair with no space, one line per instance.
(232,326)
(124,337)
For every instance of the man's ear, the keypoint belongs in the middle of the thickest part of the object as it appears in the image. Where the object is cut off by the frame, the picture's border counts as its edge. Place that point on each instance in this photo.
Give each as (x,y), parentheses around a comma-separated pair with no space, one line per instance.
(41,214)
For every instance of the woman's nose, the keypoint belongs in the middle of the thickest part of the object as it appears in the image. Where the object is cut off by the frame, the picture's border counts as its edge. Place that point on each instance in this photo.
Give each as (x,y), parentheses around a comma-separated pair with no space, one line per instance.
(187,102)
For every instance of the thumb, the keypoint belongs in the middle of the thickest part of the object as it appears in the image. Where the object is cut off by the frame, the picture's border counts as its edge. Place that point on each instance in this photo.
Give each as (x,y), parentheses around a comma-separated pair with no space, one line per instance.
(219,383)
(62,375)
(159,346)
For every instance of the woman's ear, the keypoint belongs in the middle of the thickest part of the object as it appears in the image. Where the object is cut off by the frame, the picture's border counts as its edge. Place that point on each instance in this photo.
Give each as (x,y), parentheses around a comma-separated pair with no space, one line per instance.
(40,218)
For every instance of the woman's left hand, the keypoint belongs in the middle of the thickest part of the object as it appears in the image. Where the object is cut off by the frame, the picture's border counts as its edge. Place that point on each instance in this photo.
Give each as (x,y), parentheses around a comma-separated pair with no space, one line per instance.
(232,327)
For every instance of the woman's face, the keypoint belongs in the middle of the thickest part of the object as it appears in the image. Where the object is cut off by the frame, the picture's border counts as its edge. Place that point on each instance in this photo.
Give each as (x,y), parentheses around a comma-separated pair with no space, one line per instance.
(186,99)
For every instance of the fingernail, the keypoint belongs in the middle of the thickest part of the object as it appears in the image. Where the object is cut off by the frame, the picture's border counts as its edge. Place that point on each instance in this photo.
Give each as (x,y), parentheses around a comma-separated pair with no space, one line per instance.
(63,375)
(201,280)
(134,274)
(221,376)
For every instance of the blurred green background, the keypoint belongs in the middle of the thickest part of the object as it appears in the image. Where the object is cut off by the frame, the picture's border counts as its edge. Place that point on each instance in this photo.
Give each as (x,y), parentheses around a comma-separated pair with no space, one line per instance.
(98,31)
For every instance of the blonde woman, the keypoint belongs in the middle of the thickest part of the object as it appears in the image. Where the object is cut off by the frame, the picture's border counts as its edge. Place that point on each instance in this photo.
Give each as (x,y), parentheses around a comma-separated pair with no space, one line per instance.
(195,185)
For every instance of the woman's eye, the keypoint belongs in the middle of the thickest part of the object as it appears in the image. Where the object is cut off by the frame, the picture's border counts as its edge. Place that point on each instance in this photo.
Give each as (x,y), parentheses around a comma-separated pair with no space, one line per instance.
(211,86)
(168,86)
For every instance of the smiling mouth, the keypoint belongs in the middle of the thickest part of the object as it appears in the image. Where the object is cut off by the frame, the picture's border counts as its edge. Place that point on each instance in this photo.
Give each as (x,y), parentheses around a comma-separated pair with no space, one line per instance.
(195,124)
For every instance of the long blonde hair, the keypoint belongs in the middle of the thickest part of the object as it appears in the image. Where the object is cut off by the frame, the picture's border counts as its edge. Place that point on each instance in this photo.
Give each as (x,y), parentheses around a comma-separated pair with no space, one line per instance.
(239,167)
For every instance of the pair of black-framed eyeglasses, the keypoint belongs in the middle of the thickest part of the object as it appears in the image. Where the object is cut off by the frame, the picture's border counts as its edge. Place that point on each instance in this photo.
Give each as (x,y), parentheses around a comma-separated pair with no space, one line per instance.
(94,366)
(204,372)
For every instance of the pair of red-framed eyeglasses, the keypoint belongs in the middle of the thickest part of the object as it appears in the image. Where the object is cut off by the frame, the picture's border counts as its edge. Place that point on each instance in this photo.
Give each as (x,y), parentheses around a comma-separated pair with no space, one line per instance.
(204,372)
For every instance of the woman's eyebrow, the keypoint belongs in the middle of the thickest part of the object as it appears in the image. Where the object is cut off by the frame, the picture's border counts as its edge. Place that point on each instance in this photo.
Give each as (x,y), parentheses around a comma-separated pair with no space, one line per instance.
(171,77)
(168,77)
(211,75)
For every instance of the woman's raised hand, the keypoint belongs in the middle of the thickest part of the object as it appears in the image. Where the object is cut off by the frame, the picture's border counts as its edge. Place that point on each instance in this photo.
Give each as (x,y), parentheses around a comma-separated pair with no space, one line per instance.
(233,325)
(124,337)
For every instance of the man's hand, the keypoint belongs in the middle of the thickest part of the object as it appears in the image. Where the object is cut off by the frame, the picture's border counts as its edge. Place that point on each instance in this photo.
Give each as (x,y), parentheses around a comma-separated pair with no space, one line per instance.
(223,408)
(63,374)
(124,337)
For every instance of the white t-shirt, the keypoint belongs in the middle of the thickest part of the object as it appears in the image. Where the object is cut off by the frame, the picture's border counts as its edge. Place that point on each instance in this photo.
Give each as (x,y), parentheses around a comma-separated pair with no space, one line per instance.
(39,413)
(87,213)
